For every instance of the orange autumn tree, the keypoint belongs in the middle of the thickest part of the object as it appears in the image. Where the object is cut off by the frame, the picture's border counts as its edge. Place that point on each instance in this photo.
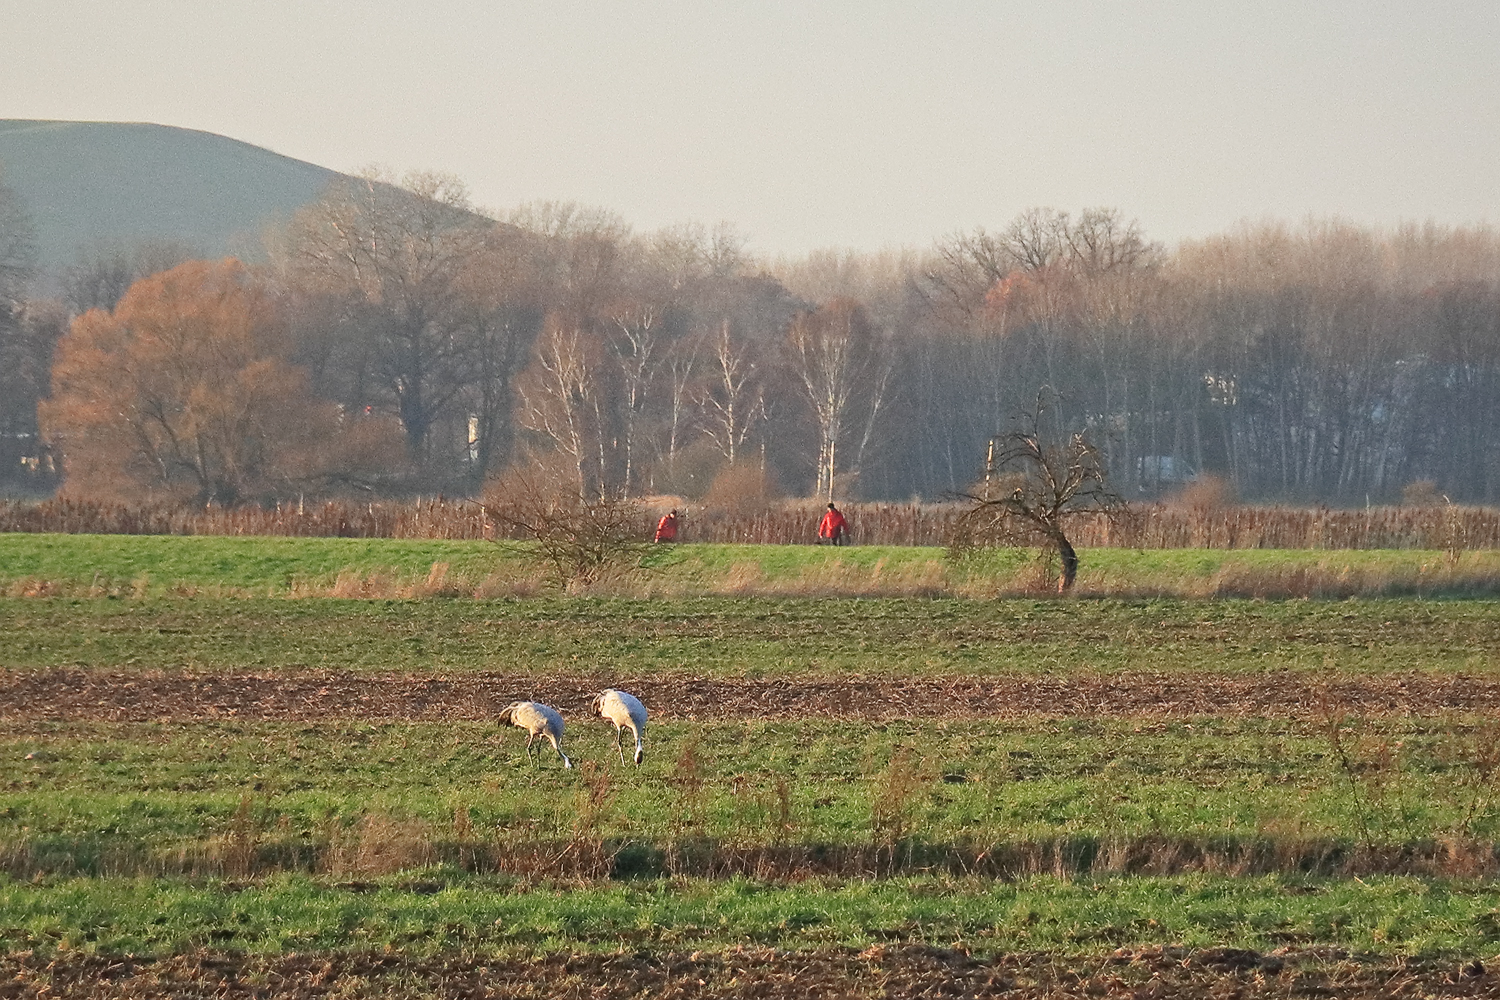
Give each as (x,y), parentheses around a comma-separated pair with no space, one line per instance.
(184,392)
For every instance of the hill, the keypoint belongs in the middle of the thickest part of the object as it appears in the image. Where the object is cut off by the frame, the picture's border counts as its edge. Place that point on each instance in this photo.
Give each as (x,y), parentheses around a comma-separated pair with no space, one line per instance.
(115,183)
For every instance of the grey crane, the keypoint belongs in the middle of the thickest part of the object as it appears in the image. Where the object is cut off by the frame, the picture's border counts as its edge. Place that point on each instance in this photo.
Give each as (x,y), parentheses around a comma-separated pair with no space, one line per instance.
(538,720)
(626,712)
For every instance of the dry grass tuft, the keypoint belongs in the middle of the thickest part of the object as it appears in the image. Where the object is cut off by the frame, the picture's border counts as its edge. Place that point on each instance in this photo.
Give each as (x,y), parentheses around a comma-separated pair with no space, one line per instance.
(380,845)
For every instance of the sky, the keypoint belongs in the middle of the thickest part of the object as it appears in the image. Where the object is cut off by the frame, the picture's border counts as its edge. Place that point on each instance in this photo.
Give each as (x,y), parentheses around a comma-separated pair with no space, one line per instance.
(810,125)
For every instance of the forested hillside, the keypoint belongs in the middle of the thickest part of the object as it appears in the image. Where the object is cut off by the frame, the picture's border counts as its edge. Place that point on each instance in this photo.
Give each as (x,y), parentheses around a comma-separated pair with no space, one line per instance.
(397,342)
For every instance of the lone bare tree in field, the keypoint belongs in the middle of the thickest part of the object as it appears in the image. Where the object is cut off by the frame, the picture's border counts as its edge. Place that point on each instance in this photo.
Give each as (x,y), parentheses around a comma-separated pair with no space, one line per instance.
(1041,487)
(581,539)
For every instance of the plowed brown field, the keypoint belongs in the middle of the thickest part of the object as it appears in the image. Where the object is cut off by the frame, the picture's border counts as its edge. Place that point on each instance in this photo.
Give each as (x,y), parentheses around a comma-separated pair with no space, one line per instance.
(878,972)
(83,695)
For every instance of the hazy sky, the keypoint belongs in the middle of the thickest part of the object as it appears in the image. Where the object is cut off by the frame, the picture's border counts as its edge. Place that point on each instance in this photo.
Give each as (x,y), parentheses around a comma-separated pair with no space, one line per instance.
(859,124)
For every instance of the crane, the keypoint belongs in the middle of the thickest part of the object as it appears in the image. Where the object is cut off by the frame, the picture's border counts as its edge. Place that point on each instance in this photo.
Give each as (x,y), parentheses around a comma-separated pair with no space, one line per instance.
(538,720)
(626,712)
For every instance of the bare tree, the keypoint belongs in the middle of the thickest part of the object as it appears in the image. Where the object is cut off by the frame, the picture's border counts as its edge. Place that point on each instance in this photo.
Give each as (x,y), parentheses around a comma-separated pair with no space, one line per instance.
(502,336)
(966,266)
(1042,487)
(843,371)
(401,256)
(561,402)
(580,254)
(731,400)
(102,273)
(682,367)
(581,539)
(635,336)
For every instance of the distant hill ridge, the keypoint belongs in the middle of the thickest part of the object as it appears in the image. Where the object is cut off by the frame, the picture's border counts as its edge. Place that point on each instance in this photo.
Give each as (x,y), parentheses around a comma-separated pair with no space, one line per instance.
(88,184)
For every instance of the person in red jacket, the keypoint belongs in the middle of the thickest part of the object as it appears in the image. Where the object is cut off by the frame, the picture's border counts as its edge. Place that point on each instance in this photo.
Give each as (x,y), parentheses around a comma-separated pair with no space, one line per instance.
(666,528)
(833,527)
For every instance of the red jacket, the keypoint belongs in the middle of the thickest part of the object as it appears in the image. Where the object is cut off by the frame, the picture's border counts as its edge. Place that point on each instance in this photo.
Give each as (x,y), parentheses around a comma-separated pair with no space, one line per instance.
(666,528)
(833,525)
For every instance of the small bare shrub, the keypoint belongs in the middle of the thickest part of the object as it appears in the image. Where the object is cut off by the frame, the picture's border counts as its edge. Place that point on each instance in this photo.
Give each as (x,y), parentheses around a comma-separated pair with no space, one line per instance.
(1421,493)
(742,490)
(1368,763)
(581,540)
(1204,495)
(1474,759)
(779,807)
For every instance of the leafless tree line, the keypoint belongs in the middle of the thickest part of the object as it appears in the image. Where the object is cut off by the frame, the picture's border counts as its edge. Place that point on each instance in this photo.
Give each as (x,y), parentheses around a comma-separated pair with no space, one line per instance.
(1327,362)
(1323,362)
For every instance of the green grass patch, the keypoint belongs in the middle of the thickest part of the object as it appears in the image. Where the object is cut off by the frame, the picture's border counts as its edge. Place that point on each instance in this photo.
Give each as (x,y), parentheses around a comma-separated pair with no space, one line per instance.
(448,913)
(142,565)
(109,799)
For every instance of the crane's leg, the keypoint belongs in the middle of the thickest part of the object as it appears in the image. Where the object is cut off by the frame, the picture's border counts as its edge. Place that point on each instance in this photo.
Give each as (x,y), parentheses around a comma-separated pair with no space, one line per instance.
(529,738)
(619,746)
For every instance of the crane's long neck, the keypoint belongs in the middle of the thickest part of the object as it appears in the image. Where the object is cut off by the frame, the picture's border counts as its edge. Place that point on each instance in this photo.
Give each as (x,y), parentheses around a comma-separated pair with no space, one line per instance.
(559,749)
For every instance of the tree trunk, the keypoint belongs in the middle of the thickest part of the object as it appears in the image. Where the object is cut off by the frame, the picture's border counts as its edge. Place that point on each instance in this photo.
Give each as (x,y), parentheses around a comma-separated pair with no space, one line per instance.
(1069,563)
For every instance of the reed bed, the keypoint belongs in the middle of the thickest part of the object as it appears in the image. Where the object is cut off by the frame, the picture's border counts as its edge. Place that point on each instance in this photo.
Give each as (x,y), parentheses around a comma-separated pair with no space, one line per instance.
(1155,526)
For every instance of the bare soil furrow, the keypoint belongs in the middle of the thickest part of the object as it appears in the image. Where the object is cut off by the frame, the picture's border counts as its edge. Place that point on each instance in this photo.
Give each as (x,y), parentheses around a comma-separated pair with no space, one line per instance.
(82,695)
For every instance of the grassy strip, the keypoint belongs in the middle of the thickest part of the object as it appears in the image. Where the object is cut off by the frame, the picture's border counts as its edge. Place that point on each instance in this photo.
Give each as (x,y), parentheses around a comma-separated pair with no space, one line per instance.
(1382,916)
(1247,795)
(752,636)
(144,565)
(151,565)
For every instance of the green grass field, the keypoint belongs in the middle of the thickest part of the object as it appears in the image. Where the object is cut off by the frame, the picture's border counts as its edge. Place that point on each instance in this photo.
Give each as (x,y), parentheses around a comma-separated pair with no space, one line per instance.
(106,799)
(155,565)
(423,916)
(1351,801)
